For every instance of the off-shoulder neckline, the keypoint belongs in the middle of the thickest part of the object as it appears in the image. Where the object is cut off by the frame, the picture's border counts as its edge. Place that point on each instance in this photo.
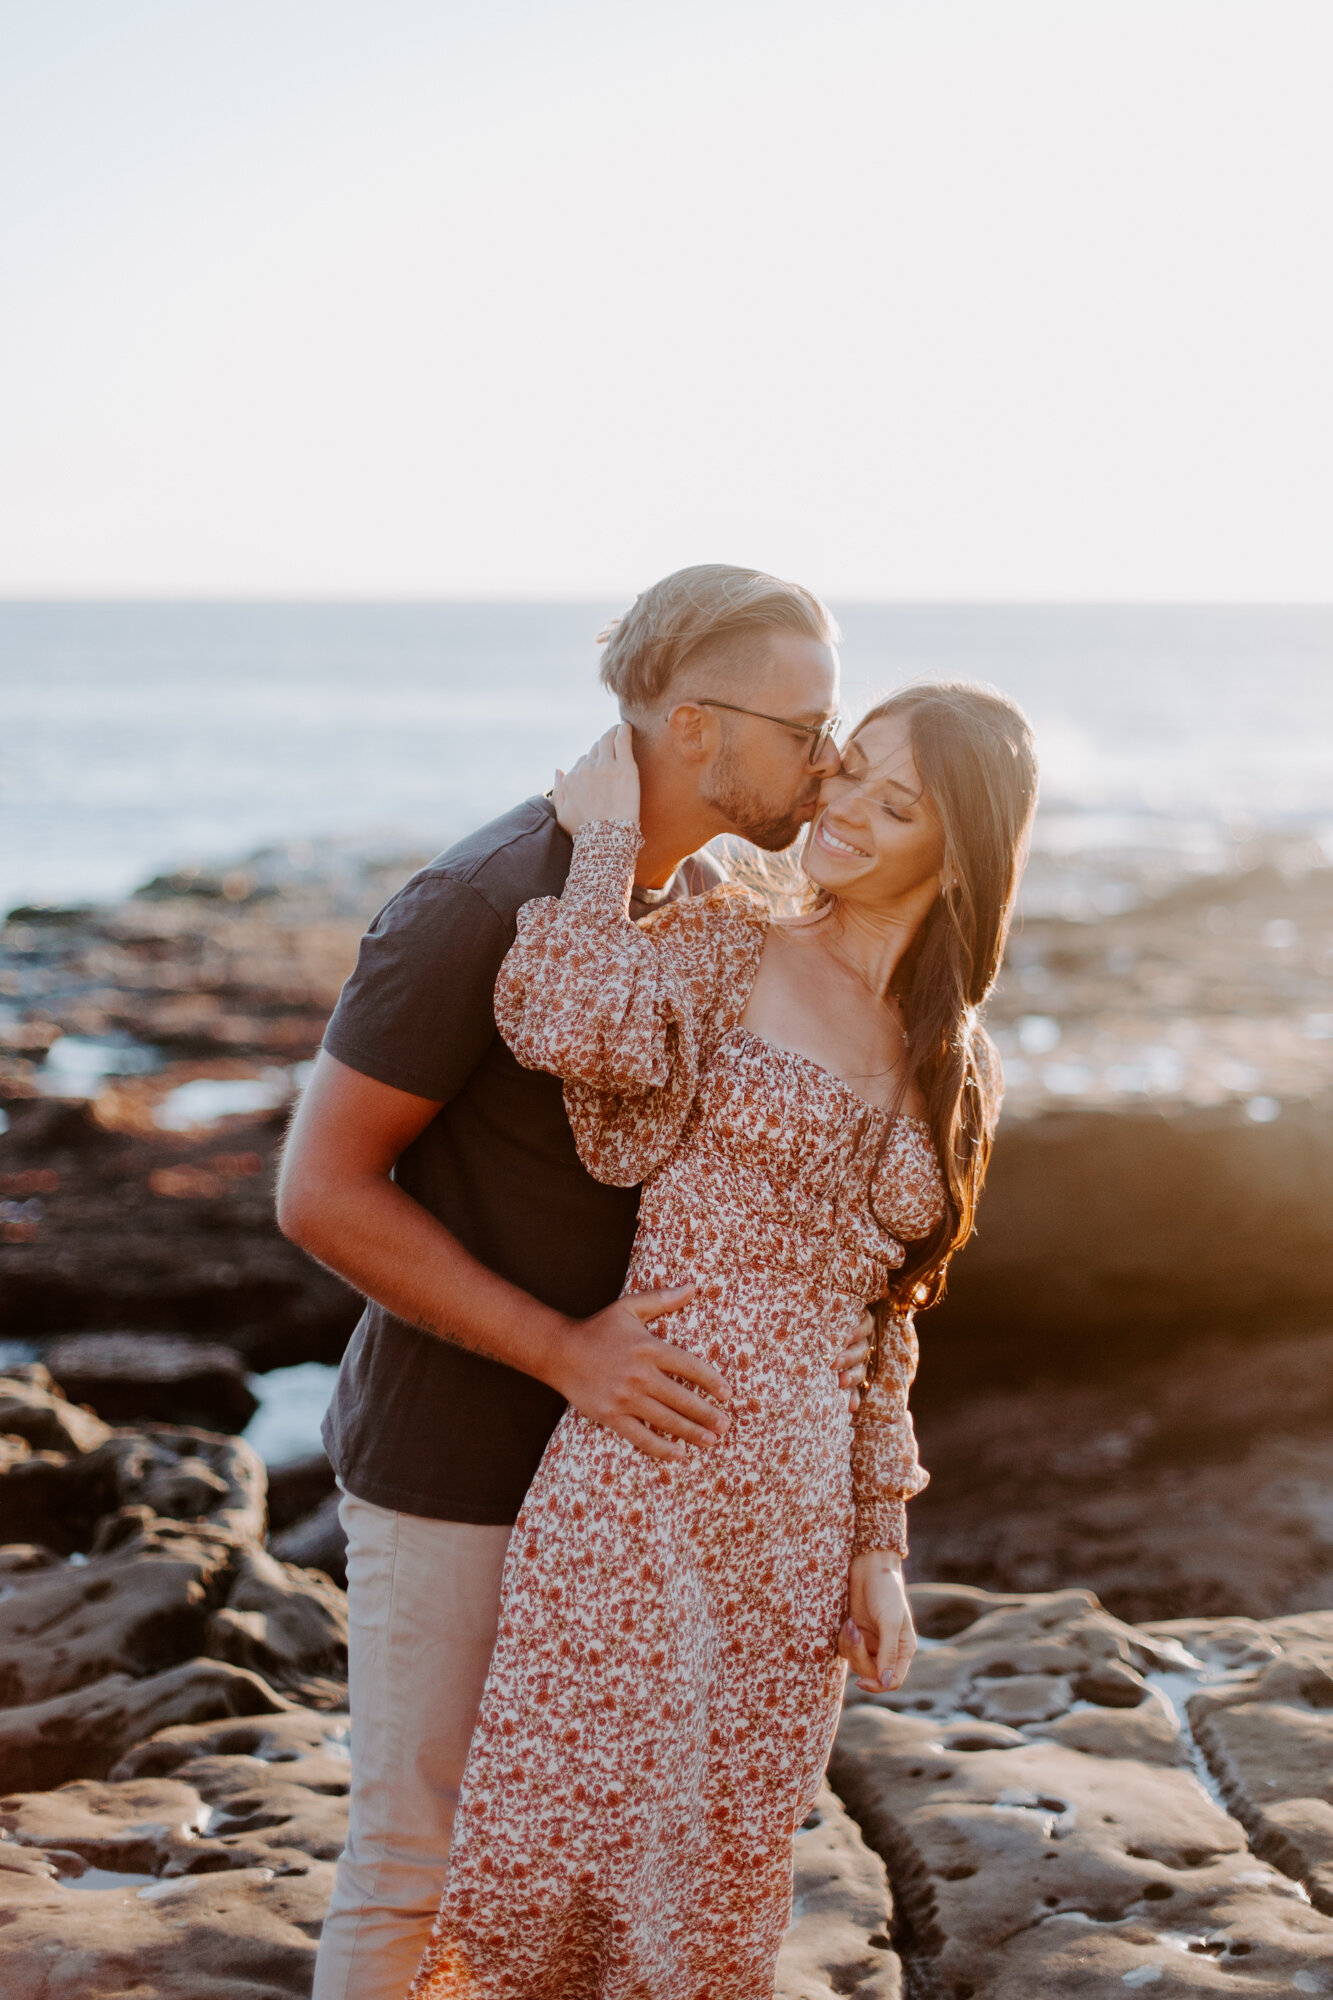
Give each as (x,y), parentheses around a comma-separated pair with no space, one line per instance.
(829,1076)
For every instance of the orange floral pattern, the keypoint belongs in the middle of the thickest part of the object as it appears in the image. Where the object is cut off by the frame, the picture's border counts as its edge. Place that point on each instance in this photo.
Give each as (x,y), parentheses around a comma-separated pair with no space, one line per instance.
(665,1682)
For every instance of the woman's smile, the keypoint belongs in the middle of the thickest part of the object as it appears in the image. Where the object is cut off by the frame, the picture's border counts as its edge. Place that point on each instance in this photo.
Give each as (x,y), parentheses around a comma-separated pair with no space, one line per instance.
(826,837)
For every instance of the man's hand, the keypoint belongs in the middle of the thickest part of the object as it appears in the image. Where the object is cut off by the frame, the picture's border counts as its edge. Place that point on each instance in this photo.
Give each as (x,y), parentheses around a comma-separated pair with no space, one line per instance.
(851,1363)
(879,1638)
(604,784)
(337,1199)
(620,1375)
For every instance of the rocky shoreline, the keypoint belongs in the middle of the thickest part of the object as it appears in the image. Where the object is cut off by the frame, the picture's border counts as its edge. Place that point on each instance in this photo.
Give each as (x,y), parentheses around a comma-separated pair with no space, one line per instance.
(1127,1393)
(1165,1164)
(1054,1801)
(1144,1312)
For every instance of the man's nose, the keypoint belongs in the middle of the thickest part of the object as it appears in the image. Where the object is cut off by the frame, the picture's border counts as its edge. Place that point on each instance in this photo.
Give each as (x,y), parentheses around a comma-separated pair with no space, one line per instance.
(829,761)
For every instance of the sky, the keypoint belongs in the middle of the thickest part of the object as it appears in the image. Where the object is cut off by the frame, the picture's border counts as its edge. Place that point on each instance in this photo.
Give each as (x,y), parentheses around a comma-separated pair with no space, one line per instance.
(978,299)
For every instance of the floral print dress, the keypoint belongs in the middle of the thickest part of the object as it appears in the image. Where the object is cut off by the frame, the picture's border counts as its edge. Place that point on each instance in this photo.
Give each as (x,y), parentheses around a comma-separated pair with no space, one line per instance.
(665,1683)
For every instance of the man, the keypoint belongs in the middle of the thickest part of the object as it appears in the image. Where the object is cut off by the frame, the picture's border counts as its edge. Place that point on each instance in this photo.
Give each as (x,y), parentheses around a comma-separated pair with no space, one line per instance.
(441,1179)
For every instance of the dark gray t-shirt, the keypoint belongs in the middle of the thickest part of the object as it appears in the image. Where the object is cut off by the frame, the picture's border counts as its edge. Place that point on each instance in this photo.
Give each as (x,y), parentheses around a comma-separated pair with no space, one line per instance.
(417,1423)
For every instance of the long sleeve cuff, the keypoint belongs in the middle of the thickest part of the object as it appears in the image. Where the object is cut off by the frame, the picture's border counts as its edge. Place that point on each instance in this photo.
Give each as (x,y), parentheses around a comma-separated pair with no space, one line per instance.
(881,1524)
(601,874)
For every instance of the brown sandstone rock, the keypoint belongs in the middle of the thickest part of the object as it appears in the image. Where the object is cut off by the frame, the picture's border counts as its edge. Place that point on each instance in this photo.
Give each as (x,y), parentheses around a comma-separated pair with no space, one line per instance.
(85,1732)
(1133,1484)
(34,1409)
(288,1736)
(202,1869)
(1269,1744)
(296,1488)
(838,1941)
(244,1934)
(282,1621)
(1147,1734)
(63,1471)
(1113,1227)
(144,1230)
(137,1610)
(1041,1870)
(317,1541)
(138,1377)
(1083,1852)
(158,1229)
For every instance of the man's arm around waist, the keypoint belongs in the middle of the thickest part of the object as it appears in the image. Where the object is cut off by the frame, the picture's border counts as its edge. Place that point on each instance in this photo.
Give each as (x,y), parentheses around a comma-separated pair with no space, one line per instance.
(337,1200)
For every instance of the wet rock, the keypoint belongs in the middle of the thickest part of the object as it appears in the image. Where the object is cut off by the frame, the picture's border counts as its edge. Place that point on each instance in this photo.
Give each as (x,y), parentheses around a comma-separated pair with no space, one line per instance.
(1110,1684)
(223,1833)
(1225,1643)
(1269,1744)
(1170,1072)
(82,1734)
(34,1409)
(162,1231)
(319,1541)
(1095,1219)
(297,1488)
(63,1472)
(839,1939)
(17,1558)
(288,1736)
(217,1936)
(136,1609)
(1170,1077)
(171,1814)
(167,1229)
(1066,1853)
(1134,1485)
(1148,1733)
(1031,1644)
(130,1377)
(1039,1870)
(1085,1851)
(285,1622)
(149,1826)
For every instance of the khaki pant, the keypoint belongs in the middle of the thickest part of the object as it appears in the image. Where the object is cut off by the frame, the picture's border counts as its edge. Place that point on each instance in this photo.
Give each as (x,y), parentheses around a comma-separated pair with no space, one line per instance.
(423,1601)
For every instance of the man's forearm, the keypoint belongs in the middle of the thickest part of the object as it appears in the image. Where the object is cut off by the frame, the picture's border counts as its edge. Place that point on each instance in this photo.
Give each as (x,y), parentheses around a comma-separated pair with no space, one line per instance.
(388,1247)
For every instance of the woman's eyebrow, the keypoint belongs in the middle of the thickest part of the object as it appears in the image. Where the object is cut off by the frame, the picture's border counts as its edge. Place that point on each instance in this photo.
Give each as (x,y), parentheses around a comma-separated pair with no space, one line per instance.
(896,783)
(899,786)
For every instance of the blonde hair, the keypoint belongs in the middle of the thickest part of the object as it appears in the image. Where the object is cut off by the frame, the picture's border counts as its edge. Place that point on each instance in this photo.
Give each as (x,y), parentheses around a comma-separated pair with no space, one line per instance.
(670,622)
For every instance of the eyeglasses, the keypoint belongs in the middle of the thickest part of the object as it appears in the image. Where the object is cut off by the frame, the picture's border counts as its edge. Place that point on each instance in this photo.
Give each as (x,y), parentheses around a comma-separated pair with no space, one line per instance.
(821,734)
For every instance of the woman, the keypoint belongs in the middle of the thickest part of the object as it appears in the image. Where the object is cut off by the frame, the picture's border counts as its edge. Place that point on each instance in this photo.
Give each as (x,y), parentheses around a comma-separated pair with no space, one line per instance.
(809,1105)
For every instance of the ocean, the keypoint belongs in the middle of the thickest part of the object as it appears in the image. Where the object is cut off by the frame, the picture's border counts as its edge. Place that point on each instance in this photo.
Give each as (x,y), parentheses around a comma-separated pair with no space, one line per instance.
(135,737)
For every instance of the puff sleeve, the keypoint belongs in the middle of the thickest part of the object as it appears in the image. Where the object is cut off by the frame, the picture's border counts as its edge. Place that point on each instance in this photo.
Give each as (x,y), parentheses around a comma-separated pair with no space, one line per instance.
(625,1013)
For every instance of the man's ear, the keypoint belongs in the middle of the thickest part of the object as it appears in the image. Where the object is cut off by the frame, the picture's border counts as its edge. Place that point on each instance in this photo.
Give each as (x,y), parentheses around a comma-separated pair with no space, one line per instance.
(692,732)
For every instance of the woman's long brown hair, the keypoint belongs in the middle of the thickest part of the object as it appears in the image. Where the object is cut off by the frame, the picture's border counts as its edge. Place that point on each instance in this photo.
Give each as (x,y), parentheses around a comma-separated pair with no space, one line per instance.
(978,765)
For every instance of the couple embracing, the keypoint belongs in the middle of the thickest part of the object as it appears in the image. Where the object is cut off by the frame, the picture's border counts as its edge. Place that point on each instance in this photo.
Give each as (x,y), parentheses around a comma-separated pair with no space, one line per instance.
(643,1182)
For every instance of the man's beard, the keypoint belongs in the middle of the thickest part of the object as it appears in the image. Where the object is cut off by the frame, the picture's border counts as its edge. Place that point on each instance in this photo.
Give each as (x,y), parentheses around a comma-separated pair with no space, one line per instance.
(753,816)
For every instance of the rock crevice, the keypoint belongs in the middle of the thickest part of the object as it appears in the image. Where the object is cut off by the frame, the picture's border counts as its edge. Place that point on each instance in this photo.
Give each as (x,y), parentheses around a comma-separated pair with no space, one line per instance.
(1056,1802)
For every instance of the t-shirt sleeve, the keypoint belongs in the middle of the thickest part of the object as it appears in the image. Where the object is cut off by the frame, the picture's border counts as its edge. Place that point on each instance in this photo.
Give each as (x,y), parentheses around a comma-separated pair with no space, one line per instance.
(701,872)
(418,1011)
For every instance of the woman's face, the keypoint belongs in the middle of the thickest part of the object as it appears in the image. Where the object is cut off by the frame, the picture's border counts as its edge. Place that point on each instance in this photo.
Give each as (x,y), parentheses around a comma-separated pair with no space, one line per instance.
(877,839)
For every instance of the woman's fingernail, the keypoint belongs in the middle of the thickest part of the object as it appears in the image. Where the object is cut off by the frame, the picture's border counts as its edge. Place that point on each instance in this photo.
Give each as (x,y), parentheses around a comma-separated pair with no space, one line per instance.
(888,1680)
